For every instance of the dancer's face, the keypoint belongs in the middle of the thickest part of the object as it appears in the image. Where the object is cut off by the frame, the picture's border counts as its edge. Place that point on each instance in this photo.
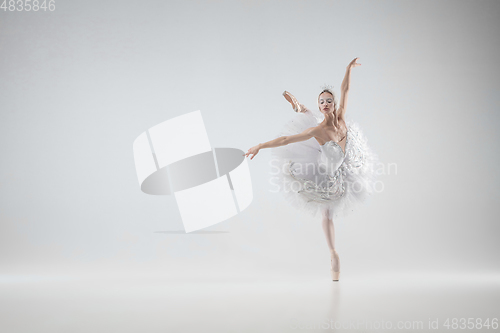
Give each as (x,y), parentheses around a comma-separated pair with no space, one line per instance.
(325,102)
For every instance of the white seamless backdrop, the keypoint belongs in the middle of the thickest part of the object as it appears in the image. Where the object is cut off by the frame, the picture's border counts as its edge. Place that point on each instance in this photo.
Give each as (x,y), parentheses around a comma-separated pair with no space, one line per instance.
(79,84)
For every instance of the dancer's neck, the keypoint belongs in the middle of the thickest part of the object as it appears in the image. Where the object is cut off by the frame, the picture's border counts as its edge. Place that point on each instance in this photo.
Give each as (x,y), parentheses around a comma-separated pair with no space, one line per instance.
(329,119)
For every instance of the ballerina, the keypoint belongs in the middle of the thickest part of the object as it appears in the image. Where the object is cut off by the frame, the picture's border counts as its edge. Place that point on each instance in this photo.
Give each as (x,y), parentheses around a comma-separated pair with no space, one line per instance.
(342,172)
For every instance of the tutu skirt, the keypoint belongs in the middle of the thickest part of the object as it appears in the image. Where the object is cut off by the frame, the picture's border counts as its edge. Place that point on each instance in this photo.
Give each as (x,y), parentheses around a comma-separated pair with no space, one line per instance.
(299,172)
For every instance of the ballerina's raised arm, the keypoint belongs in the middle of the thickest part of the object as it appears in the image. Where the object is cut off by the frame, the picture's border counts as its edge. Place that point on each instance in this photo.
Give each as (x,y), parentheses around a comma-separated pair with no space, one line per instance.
(344,88)
(283,141)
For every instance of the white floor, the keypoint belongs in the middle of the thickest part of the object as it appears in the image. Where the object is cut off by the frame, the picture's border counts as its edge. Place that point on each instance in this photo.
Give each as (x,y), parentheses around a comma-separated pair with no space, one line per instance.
(356,303)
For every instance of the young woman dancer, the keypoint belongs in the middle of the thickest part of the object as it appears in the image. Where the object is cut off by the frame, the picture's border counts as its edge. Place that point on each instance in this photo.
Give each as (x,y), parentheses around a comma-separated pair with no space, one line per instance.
(322,161)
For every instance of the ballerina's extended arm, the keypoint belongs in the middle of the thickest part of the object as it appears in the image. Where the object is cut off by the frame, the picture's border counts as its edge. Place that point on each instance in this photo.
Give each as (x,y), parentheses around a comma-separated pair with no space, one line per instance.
(282,141)
(344,88)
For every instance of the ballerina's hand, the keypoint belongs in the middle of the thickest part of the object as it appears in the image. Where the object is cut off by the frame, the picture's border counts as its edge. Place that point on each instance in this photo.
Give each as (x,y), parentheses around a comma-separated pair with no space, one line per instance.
(254,150)
(353,63)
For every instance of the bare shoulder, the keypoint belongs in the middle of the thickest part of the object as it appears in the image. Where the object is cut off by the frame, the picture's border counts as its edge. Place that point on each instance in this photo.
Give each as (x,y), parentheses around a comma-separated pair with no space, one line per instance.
(311,131)
(314,131)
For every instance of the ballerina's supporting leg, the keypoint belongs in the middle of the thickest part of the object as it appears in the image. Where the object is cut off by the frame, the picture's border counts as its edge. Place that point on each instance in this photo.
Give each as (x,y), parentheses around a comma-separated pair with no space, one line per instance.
(329,230)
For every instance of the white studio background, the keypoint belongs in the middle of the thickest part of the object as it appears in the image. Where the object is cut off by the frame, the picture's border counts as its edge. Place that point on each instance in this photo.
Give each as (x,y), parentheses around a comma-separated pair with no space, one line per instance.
(79,84)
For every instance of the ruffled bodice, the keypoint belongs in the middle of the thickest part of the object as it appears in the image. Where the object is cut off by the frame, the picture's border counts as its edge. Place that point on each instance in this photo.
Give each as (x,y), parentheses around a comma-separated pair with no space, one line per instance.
(332,155)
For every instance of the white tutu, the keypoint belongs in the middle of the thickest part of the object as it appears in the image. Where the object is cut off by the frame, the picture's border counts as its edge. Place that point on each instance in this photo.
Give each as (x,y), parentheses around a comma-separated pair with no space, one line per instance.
(315,178)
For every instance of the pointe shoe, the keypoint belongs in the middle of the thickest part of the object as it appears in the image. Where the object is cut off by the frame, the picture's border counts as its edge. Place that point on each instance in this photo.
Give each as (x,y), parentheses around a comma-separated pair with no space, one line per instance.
(297,107)
(335,274)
